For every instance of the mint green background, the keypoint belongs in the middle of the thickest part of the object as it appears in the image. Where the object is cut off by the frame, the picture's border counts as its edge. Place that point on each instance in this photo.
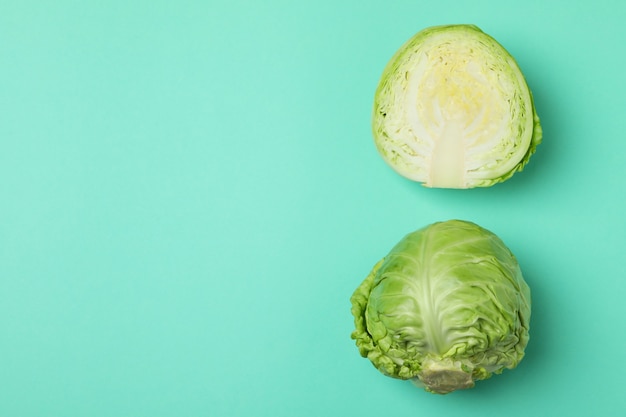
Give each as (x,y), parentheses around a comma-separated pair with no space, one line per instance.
(189,194)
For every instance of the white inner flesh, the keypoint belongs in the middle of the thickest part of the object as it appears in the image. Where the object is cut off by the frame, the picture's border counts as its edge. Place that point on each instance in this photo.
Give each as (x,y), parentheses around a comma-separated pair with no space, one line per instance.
(461,106)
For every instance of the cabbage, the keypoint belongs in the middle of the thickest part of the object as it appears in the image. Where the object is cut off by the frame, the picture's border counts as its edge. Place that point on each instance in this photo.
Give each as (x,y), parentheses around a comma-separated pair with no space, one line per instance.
(448,306)
(452,110)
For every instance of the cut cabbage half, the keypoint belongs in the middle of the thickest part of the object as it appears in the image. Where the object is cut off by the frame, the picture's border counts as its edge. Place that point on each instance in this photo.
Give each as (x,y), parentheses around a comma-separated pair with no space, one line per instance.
(453,110)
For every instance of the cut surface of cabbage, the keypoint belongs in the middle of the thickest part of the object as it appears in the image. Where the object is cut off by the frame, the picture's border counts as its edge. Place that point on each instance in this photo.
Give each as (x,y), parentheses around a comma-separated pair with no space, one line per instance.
(453,110)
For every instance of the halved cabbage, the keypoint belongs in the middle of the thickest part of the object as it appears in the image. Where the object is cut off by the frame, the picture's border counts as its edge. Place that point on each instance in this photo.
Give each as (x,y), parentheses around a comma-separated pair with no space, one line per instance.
(453,110)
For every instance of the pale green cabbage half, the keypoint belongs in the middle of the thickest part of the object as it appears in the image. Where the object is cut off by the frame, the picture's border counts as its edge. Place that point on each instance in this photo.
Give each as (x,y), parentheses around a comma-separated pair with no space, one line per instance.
(448,306)
(453,110)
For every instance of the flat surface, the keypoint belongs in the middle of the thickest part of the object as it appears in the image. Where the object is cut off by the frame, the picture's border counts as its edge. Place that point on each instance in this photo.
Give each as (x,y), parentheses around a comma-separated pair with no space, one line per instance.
(190,194)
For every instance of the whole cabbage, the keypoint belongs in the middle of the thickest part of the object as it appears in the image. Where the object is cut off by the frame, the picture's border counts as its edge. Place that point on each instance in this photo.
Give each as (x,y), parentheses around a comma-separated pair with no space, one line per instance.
(446,307)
